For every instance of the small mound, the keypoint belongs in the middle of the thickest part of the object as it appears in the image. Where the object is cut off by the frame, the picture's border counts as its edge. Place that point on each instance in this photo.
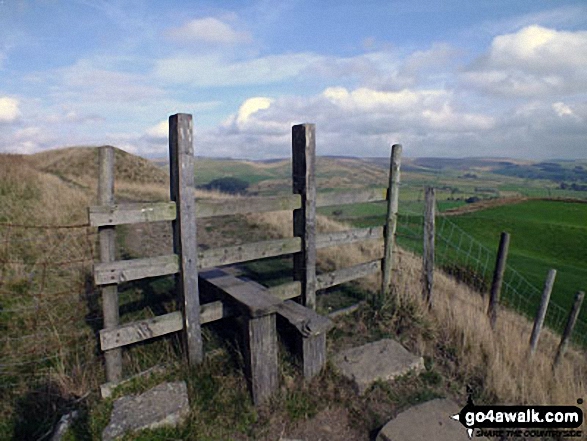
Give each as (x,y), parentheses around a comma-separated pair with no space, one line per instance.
(82,162)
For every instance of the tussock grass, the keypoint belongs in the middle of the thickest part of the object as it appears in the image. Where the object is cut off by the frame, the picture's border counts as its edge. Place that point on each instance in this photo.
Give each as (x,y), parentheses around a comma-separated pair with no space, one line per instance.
(456,330)
(50,315)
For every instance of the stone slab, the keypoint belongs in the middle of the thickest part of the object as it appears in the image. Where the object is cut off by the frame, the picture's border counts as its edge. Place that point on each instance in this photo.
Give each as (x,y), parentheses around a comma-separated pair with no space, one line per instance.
(428,421)
(381,360)
(163,406)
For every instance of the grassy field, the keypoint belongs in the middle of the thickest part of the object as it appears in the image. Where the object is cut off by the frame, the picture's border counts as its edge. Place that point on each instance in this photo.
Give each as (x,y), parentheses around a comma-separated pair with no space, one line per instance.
(544,235)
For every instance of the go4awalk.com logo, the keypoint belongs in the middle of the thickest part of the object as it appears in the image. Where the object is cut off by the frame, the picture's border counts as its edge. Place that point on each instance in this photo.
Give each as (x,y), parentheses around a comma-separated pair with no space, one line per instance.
(521,421)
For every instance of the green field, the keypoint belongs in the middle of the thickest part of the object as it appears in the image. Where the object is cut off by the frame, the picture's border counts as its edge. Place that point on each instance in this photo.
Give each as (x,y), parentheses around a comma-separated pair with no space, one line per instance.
(544,235)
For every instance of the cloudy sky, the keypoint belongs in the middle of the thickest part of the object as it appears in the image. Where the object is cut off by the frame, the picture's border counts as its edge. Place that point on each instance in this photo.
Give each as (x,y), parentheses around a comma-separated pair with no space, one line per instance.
(443,77)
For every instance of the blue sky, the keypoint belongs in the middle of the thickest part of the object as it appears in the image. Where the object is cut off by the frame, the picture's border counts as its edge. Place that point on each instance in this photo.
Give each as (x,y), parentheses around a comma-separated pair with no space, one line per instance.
(444,78)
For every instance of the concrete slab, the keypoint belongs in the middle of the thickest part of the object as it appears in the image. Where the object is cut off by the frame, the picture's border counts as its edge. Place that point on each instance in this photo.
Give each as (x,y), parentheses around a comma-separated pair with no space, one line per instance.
(164,405)
(381,360)
(424,422)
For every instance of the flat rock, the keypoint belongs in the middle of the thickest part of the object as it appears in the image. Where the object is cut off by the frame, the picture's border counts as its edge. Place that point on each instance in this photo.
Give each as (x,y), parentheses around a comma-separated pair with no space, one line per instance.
(164,405)
(381,360)
(428,421)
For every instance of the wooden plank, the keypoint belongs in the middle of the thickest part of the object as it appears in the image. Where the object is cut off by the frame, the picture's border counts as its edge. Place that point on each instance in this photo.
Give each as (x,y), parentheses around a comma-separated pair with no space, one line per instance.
(304,219)
(428,246)
(541,313)
(261,357)
(313,355)
(250,299)
(113,358)
(343,275)
(141,330)
(286,291)
(305,320)
(329,199)
(391,220)
(119,214)
(500,263)
(347,237)
(212,311)
(135,269)
(181,170)
(573,315)
(210,208)
(245,252)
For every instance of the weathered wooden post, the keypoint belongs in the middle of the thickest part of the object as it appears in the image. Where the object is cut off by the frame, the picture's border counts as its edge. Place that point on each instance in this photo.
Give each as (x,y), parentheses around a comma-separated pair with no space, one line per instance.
(304,218)
(391,219)
(541,313)
(181,171)
(428,254)
(113,357)
(573,315)
(502,255)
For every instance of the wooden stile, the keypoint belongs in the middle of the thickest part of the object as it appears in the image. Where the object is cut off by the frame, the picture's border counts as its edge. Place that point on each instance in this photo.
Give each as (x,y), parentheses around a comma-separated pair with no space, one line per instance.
(106,234)
(181,165)
(304,218)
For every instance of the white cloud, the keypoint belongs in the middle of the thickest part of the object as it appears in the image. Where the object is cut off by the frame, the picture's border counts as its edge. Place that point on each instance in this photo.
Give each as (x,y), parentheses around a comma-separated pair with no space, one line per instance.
(562,109)
(535,61)
(216,70)
(9,111)
(250,106)
(359,121)
(208,30)
(159,131)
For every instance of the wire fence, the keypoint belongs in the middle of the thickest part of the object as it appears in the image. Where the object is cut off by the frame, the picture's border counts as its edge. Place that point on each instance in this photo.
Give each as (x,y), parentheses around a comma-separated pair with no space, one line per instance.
(48,309)
(464,257)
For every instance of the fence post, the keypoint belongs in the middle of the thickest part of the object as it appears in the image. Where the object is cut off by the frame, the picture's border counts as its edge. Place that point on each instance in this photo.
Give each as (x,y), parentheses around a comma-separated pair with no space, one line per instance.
(113,357)
(541,313)
(573,315)
(500,263)
(181,171)
(304,218)
(391,219)
(428,254)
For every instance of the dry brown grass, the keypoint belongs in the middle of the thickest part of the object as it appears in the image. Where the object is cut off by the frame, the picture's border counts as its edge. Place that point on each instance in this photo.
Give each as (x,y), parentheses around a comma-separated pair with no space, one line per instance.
(47,329)
(499,360)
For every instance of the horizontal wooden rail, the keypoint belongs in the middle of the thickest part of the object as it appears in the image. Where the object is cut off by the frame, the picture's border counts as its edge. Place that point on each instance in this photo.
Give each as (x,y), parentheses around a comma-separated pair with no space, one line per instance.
(135,269)
(101,215)
(286,291)
(351,197)
(165,324)
(250,251)
(140,330)
(210,208)
(347,237)
(119,214)
(343,275)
